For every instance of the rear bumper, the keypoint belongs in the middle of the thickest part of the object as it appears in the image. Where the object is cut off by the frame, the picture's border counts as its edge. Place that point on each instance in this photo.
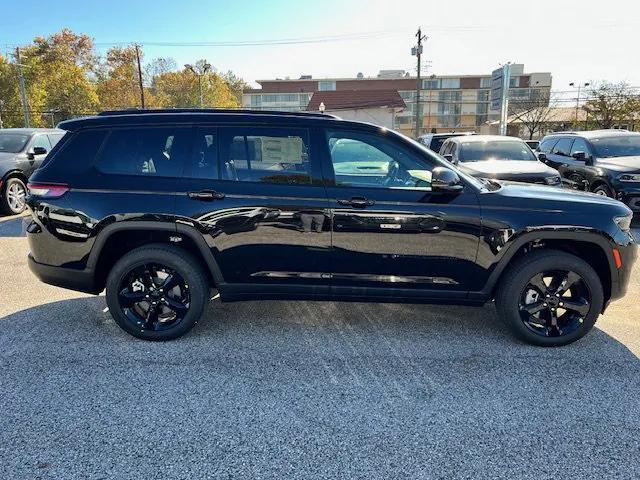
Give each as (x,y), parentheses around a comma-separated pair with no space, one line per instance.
(70,278)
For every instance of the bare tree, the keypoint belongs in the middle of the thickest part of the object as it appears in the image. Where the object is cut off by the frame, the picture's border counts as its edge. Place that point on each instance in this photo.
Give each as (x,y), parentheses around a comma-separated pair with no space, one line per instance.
(533,113)
(609,104)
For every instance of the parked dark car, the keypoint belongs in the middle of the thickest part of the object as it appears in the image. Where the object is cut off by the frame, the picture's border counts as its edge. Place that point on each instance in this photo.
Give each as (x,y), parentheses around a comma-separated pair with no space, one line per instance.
(161,206)
(605,162)
(499,158)
(434,141)
(22,150)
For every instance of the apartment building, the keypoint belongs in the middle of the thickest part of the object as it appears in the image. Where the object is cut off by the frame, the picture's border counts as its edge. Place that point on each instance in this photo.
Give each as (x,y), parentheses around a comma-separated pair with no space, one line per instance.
(448,102)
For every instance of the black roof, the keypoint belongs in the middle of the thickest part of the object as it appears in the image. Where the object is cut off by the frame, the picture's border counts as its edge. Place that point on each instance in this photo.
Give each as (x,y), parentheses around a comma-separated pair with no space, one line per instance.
(192,115)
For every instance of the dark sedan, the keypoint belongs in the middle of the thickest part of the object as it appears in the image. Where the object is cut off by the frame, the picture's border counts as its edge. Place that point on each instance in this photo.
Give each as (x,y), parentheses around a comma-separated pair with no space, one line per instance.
(499,158)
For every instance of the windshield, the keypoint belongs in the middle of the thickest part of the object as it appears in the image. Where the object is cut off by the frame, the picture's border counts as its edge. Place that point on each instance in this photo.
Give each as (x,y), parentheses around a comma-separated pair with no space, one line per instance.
(12,142)
(623,146)
(496,150)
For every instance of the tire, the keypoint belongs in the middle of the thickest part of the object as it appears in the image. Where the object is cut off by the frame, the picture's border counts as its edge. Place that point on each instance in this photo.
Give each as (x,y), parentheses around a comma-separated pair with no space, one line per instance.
(13,197)
(517,297)
(138,301)
(604,190)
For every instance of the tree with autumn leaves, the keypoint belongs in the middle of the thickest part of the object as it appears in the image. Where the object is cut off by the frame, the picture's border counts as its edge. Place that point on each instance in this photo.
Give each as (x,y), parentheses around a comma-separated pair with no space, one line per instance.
(66,78)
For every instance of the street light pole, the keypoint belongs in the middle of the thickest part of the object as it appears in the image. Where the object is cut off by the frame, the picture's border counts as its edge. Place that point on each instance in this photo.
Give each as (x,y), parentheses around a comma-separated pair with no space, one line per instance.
(580,85)
(201,72)
(417,51)
(23,90)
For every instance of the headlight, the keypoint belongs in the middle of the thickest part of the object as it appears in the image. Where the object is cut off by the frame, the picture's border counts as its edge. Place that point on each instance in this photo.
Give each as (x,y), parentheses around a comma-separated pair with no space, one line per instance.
(628,177)
(552,180)
(624,222)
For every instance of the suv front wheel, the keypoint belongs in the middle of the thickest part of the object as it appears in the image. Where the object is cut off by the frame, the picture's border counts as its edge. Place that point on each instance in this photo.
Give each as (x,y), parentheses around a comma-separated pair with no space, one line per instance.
(157,292)
(550,298)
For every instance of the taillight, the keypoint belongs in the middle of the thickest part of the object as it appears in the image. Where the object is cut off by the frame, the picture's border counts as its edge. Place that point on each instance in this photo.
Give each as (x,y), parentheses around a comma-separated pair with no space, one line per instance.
(47,191)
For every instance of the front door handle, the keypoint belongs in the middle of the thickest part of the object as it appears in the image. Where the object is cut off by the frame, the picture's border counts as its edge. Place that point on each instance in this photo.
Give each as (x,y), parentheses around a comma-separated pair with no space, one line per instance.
(206,195)
(358,202)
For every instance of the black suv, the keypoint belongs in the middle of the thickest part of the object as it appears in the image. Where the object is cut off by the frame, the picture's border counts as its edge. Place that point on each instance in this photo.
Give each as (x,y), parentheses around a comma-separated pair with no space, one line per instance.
(606,162)
(161,206)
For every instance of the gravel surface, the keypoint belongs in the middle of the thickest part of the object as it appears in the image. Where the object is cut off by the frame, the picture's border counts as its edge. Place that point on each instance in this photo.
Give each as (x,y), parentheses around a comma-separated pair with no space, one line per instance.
(308,390)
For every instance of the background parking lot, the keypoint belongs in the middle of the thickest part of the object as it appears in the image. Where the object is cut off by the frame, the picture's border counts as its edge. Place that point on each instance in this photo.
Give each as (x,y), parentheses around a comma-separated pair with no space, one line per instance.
(299,389)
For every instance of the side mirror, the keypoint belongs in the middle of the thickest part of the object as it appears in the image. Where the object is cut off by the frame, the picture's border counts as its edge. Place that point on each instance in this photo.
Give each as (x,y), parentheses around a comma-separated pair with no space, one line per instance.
(582,156)
(543,157)
(445,180)
(36,151)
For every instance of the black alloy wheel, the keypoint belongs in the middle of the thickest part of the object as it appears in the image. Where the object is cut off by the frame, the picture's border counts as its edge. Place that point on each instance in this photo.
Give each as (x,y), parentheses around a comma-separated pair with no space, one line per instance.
(154,297)
(157,292)
(555,303)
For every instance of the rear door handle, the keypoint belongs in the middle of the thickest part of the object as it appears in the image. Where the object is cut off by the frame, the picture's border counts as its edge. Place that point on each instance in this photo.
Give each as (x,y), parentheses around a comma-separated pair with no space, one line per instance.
(206,195)
(358,202)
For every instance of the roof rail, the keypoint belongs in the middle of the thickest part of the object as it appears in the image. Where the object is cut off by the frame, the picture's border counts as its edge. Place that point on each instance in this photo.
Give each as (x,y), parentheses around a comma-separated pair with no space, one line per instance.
(139,111)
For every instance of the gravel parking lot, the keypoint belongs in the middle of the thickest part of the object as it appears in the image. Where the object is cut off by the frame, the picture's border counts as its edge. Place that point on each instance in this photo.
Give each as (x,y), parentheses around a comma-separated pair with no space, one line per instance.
(307,390)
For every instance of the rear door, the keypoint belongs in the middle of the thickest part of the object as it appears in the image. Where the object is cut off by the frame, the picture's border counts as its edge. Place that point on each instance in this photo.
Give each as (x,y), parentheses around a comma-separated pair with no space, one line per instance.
(256,194)
(392,235)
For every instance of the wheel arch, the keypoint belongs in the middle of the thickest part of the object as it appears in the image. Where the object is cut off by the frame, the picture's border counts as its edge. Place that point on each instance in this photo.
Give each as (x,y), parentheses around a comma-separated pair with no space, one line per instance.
(591,247)
(117,239)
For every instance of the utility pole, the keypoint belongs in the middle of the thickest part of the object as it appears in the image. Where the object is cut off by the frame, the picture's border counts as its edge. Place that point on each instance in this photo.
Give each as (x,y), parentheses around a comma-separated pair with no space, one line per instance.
(140,76)
(417,51)
(23,90)
(1,107)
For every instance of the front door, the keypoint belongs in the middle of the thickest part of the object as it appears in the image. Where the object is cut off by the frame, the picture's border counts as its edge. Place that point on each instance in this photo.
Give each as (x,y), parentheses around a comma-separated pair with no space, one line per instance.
(255,193)
(392,235)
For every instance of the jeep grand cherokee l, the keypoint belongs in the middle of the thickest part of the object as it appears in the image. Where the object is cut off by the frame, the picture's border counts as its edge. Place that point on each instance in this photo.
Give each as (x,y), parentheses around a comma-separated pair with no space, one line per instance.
(158,207)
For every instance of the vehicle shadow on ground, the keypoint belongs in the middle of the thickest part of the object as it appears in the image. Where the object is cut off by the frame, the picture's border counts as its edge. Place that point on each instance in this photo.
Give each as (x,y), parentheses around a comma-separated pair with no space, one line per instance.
(274,327)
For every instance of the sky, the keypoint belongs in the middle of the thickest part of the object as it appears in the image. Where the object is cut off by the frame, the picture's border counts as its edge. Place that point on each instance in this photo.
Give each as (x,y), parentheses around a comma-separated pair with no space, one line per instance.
(577,41)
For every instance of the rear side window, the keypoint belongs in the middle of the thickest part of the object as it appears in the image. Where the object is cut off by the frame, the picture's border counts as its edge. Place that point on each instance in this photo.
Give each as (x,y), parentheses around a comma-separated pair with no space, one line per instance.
(75,152)
(204,160)
(547,144)
(145,151)
(266,155)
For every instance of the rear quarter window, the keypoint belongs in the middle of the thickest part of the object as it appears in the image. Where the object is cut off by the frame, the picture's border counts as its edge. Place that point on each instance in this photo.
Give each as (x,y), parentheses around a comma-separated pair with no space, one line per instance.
(75,152)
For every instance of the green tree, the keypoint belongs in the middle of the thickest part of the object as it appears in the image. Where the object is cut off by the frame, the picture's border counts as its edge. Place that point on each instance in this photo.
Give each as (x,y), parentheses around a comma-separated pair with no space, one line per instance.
(611,104)
(118,85)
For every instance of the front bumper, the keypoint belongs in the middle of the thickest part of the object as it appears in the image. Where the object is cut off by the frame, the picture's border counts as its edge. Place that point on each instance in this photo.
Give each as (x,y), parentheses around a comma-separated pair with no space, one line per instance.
(628,257)
(70,278)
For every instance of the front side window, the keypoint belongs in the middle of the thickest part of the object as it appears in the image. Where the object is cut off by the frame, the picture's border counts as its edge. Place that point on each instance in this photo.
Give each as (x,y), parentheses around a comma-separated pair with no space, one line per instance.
(563,147)
(12,142)
(546,145)
(580,145)
(622,146)
(500,150)
(41,141)
(145,151)
(265,155)
(371,161)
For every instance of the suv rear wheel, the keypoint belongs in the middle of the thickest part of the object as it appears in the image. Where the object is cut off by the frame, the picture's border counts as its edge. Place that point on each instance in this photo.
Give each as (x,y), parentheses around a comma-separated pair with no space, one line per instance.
(14,196)
(157,292)
(603,190)
(550,298)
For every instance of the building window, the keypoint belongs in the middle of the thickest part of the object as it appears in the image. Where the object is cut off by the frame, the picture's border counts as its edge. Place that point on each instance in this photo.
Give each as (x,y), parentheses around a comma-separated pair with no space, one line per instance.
(485,82)
(450,83)
(326,85)
(514,82)
(431,84)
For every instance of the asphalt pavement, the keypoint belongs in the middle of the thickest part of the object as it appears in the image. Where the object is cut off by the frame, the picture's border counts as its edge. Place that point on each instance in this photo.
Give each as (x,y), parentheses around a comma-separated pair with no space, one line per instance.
(307,390)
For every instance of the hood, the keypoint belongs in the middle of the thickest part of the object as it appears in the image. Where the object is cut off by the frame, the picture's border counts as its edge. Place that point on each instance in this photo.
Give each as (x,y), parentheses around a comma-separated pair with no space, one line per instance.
(7,156)
(620,164)
(542,196)
(507,168)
